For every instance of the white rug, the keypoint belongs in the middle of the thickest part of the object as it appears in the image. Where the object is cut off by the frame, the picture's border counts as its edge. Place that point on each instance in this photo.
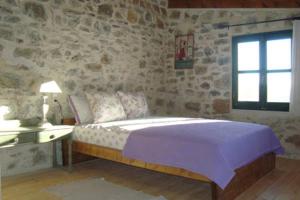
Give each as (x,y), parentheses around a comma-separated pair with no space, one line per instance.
(97,189)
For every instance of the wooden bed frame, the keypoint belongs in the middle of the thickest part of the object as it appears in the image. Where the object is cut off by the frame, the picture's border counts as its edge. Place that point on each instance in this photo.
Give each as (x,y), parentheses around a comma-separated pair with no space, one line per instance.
(244,178)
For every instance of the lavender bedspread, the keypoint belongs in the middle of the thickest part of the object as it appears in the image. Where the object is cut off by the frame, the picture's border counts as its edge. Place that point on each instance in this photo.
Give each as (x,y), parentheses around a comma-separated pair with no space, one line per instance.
(214,148)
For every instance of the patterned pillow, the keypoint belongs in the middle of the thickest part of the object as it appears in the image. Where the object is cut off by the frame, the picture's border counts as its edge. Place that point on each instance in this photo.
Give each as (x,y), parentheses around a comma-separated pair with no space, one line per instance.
(81,109)
(135,104)
(106,107)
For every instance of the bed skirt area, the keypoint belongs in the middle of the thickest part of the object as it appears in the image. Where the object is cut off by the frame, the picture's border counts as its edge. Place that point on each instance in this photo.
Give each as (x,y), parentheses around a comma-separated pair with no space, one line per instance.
(244,178)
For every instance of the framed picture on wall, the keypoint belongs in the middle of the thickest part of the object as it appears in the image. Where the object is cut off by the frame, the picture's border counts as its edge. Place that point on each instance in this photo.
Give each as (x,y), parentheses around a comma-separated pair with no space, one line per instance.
(184,51)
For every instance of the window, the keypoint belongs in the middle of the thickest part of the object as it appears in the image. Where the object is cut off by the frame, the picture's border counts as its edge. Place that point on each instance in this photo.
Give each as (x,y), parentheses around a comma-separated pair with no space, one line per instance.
(261,78)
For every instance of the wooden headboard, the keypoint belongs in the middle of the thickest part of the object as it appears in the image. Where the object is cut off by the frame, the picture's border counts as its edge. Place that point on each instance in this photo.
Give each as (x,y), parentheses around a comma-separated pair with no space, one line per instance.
(69,121)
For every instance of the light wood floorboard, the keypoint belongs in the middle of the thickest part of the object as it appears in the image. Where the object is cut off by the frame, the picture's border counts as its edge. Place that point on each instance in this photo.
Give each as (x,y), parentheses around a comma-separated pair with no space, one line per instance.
(281,184)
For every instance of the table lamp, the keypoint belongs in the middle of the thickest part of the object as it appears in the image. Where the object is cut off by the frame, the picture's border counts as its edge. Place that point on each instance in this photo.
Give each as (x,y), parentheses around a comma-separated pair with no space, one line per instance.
(50,87)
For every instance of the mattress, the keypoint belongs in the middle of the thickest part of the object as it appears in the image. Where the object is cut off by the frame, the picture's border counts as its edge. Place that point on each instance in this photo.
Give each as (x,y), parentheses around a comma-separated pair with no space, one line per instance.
(214,148)
(115,134)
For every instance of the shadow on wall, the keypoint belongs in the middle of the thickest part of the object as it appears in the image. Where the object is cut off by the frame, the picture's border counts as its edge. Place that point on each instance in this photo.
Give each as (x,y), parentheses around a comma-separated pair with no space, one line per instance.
(21,79)
(20,96)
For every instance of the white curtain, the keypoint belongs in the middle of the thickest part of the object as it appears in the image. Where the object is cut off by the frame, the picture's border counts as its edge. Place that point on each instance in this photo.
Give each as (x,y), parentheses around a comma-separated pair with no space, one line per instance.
(295,92)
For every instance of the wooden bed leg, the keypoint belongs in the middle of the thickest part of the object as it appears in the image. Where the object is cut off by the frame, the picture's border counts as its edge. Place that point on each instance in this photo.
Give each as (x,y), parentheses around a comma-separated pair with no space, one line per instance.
(218,194)
(244,178)
(214,195)
(76,156)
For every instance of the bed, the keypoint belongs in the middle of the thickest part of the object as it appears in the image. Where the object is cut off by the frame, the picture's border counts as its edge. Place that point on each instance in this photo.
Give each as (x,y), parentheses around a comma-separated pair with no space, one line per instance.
(230,156)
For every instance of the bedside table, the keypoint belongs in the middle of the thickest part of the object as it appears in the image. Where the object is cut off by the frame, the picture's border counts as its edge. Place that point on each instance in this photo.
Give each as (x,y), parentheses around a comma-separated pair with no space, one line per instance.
(13,136)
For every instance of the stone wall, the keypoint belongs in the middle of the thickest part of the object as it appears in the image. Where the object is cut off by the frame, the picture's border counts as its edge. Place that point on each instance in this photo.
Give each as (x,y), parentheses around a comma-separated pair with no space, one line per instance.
(90,46)
(125,45)
(82,45)
(205,90)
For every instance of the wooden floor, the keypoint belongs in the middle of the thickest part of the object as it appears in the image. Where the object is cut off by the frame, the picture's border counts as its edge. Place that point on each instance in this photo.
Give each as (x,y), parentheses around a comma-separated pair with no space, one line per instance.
(282,184)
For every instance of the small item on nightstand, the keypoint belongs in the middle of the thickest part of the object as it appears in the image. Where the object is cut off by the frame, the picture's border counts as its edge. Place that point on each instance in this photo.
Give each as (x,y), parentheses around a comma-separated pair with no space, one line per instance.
(35,121)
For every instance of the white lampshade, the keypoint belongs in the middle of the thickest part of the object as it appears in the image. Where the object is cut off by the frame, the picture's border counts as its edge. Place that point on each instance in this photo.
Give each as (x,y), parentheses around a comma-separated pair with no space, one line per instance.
(50,87)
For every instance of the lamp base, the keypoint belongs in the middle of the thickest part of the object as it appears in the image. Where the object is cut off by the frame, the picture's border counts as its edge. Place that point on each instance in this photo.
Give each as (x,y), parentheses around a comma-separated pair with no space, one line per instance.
(46,125)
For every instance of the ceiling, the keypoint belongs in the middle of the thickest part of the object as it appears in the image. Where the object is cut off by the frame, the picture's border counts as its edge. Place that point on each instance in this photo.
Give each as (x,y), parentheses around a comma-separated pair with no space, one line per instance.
(234,3)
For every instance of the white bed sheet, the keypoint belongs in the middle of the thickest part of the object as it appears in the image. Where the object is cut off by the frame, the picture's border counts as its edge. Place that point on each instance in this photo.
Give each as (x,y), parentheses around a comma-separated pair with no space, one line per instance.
(114,134)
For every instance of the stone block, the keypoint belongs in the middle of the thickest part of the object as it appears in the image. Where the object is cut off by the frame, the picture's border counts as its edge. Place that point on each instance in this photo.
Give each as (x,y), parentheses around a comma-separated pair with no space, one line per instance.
(105,10)
(221,106)
(35,10)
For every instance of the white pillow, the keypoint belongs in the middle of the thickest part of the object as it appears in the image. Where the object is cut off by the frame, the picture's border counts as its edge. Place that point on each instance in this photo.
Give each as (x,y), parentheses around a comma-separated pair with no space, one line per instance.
(81,109)
(135,104)
(106,107)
